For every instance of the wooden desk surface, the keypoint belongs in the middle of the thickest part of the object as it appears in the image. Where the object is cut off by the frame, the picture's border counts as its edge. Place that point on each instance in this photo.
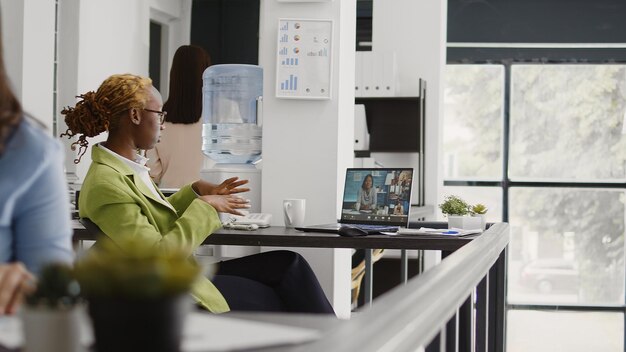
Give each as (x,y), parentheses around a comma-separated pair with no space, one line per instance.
(278,236)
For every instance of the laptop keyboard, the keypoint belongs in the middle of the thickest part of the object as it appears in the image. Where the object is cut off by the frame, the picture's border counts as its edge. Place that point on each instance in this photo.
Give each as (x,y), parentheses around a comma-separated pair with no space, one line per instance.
(377,228)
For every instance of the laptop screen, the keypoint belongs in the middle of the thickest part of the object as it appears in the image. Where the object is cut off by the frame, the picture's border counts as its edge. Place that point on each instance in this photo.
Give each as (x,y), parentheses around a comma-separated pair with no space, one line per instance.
(377,196)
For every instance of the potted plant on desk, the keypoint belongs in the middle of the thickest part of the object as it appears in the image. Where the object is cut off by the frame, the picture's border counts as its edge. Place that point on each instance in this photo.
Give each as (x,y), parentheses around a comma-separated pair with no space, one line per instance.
(137,296)
(458,212)
(51,315)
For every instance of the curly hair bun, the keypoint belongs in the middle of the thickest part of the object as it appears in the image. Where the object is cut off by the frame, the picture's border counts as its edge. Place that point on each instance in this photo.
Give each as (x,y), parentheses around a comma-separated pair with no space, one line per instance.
(96,112)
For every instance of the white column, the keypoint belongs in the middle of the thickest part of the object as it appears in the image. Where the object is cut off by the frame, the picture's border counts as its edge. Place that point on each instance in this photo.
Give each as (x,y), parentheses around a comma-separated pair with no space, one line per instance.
(416,31)
(67,71)
(307,145)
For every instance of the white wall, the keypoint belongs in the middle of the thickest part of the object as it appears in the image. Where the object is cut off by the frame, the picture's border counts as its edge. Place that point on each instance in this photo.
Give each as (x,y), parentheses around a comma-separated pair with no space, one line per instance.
(416,31)
(95,48)
(105,49)
(307,145)
(28,39)
(67,73)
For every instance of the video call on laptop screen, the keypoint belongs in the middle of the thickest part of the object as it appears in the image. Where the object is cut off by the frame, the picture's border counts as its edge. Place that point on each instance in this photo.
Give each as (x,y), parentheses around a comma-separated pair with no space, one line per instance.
(377,196)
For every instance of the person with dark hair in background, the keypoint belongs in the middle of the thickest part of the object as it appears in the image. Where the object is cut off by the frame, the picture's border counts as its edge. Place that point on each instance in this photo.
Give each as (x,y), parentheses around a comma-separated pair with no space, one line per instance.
(34,206)
(398,209)
(177,159)
(120,198)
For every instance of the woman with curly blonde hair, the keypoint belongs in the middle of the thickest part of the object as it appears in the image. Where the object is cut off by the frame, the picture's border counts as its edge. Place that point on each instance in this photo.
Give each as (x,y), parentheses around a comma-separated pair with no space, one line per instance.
(103,110)
(119,196)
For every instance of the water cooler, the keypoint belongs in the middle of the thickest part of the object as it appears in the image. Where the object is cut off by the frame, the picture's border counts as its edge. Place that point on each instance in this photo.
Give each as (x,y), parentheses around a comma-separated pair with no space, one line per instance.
(231,113)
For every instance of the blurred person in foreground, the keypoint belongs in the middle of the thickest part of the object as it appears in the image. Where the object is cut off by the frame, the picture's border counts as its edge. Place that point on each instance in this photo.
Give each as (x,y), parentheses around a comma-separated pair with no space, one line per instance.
(34,204)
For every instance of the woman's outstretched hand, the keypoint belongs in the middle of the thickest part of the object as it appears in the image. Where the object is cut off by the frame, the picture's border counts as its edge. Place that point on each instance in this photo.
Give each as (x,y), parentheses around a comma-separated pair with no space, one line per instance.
(15,281)
(227,203)
(229,186)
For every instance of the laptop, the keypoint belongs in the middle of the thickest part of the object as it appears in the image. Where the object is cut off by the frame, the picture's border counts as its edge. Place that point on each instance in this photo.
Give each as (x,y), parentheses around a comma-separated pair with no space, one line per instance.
(374,200)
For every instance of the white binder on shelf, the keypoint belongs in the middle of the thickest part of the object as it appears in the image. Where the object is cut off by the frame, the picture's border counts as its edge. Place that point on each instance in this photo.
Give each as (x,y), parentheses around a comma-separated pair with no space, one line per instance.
(358,74)
(375,74)
(361,134)
(367,74)
(389,74)
(378,72)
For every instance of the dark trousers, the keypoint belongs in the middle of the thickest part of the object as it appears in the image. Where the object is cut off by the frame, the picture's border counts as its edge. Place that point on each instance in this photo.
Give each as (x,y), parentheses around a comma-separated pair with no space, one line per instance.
(278,281)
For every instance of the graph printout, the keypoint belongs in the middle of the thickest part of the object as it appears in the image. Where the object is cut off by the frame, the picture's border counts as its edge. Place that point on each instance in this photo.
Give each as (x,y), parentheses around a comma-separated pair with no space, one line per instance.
(303,65)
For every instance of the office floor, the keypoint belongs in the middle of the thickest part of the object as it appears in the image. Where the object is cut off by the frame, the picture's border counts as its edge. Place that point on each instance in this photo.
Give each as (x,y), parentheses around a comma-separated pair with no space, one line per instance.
(544,331)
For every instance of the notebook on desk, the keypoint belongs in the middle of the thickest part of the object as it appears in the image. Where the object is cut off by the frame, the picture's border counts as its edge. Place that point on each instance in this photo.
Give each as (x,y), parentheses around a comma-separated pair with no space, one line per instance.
(374,200)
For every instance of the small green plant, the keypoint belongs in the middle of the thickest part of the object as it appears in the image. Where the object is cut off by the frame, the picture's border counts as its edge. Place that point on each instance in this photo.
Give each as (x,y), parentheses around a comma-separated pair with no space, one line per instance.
(478,209)
(135,272)
(453,205)
(57,288)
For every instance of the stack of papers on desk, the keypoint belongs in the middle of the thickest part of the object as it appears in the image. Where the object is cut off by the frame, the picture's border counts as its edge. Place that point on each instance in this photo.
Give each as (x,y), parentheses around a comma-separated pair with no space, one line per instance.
(203,332)
(439,232)
(207,332)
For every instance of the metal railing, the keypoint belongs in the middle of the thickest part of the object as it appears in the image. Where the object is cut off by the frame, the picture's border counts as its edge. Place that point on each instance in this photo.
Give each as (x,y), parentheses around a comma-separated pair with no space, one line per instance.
(437,310)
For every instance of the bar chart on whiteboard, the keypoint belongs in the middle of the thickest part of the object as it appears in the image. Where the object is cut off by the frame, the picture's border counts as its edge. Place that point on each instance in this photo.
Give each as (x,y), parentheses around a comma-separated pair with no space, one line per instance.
(303,60)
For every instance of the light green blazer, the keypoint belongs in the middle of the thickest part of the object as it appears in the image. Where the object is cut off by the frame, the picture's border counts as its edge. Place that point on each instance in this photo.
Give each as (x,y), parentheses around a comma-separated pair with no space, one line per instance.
(116,200)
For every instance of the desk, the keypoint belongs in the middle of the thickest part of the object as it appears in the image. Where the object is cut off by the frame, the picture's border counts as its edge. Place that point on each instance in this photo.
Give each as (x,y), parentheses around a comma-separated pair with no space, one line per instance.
(276,236)
(284,237)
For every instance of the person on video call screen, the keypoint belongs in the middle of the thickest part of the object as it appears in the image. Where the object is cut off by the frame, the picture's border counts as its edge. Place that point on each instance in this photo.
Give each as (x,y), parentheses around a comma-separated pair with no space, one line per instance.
(366,197)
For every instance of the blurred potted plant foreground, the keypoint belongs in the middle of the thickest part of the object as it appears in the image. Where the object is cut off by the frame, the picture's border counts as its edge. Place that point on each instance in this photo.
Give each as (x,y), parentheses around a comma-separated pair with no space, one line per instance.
(51,315)
(136,296)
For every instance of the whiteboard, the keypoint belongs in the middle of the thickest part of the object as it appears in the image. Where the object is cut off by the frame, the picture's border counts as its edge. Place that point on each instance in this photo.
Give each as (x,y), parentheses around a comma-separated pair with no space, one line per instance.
(304,59)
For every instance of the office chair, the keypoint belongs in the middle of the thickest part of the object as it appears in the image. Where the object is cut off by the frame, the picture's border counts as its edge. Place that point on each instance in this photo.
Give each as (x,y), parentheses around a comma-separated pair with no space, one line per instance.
(91,227)
(358,272)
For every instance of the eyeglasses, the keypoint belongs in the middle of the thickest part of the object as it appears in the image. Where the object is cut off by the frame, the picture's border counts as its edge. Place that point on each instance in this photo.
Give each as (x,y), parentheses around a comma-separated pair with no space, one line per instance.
(161,114)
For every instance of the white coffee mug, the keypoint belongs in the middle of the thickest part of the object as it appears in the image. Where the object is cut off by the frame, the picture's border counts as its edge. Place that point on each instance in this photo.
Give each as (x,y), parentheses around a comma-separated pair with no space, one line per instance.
(294,212)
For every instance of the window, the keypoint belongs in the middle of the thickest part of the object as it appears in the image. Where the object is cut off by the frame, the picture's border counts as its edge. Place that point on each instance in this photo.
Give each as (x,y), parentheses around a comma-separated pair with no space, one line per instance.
(566,123)
(547,143)
(566,246)
(565,331)
(472,132)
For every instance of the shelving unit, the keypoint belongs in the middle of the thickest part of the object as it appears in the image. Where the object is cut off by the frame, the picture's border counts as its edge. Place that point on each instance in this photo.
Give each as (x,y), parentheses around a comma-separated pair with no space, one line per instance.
(397,125)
